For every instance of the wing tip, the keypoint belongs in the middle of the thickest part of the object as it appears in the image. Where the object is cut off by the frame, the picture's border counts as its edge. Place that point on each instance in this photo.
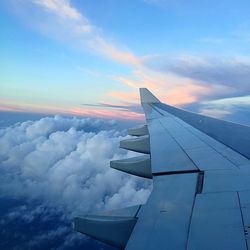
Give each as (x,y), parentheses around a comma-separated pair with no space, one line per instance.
(147,96)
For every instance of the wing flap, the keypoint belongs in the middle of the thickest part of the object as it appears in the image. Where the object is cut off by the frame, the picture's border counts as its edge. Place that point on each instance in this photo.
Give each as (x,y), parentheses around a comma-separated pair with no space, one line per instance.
(163,222)
(217,223)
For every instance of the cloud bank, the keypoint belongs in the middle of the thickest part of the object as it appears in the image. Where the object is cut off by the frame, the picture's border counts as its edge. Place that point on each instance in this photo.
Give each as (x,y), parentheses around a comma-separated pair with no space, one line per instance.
(65,162)
(62,165)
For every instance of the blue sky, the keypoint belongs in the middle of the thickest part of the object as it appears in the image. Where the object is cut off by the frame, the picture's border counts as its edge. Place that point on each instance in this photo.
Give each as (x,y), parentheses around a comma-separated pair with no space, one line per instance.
(58,54)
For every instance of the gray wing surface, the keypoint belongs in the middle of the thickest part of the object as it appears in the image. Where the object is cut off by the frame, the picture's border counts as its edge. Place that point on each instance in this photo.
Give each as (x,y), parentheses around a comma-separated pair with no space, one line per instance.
(200,169)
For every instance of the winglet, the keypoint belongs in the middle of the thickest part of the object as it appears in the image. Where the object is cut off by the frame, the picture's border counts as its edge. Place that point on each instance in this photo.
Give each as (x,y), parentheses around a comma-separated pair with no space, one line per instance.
(147,96)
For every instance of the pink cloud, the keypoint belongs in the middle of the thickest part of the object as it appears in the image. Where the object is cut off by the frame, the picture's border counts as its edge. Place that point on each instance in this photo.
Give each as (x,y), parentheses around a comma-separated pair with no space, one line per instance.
(115,53)
(186,94)
(112,114)
(169,88)
(13,106)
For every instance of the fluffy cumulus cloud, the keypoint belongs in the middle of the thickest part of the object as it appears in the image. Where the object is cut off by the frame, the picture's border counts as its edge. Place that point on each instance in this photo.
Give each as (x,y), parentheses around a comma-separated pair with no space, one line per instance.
(62,165)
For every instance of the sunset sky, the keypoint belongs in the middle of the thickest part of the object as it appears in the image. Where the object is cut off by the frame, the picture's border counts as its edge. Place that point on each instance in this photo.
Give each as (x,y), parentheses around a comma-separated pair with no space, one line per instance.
(70,73)
(90,57)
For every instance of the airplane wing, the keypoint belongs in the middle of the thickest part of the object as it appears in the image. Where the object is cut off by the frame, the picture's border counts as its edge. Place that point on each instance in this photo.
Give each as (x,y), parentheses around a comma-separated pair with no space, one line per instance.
(200,169)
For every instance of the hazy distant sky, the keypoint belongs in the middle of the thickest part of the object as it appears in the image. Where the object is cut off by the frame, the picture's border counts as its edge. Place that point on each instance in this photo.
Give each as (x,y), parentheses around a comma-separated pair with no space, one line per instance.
(56,55)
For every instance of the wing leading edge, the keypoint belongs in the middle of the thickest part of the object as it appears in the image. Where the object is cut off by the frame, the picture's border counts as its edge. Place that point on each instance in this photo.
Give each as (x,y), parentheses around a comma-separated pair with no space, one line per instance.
(201,190)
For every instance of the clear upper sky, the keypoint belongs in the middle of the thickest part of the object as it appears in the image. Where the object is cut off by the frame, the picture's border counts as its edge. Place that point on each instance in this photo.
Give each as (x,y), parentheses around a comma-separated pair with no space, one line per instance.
(79,57)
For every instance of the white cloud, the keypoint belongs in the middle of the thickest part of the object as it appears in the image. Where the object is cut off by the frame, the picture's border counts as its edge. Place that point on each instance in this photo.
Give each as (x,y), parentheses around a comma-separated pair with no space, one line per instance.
(225,107)
(217,113)
(64,163)
(228,102)
(60,7)
(61,20)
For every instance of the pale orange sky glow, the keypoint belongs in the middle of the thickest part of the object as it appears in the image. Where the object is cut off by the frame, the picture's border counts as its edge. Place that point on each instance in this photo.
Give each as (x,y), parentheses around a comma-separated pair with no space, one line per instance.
(183,95)
(112,114)
(68,53)
(126,97)
(78,111)
(169,90)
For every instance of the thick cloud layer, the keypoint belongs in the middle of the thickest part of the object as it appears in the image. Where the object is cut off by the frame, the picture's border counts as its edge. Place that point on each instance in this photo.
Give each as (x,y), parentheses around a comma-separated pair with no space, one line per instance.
(63,165)
(56,160)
